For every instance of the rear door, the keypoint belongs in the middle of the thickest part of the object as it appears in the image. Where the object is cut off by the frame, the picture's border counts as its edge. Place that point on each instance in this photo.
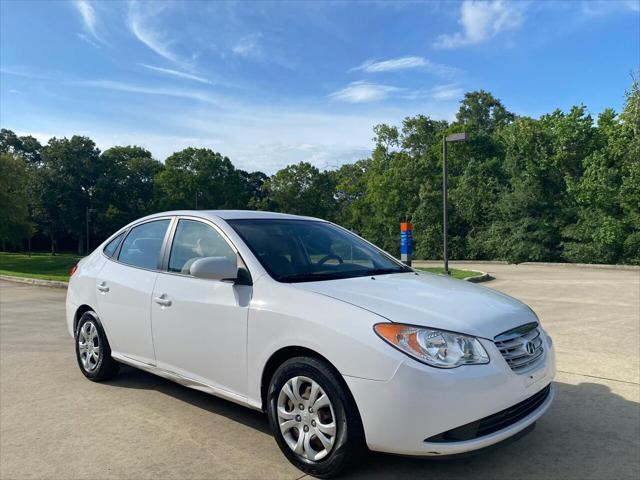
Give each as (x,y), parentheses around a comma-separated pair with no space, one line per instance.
(200,325)
(125,285)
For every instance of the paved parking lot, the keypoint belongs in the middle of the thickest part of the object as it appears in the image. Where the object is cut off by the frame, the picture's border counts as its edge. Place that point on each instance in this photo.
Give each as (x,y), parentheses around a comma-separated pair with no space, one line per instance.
(56,424)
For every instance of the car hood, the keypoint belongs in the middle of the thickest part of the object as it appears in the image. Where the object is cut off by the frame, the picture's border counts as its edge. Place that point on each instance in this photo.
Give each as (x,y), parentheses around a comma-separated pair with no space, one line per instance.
(429,300)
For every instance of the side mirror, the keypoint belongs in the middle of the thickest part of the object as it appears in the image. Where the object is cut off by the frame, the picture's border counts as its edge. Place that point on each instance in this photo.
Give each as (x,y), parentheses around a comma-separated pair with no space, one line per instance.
(215,268)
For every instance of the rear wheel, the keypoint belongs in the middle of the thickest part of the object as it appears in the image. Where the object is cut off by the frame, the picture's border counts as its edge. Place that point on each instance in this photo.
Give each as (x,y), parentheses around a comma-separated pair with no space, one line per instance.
(92,349)
(313,417)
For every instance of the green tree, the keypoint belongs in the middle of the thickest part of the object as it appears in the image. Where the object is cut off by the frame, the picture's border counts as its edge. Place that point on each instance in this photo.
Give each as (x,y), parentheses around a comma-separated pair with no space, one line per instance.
(253,185)
(597,235)
(607,195)
(66,186)
(15,222)
(629,194)
(482,113)
(126,188)
(350,187)
(202,178)
(301,189)
(556,188)
(524,224)
(477,174)
(395,184)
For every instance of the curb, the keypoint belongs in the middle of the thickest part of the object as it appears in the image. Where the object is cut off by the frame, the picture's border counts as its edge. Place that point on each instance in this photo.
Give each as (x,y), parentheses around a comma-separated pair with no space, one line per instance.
(601,266)
(35,281)
(481,277)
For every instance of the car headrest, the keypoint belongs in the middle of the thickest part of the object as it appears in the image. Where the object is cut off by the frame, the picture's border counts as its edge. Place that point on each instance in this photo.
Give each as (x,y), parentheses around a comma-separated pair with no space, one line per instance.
(146,244)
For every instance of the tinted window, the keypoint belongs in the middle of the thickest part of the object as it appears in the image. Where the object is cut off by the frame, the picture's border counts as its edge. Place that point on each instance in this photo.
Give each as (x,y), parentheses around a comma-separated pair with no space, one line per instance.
(142,246)
(306,251)
(194,240)
(112,246)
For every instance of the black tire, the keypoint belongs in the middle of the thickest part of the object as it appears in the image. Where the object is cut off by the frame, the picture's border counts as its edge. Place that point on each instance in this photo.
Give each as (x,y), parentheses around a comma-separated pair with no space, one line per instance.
(349,442)
(105,367)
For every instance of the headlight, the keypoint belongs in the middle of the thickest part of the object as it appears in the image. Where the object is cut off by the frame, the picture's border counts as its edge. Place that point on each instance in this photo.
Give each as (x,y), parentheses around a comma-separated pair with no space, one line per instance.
(437,348)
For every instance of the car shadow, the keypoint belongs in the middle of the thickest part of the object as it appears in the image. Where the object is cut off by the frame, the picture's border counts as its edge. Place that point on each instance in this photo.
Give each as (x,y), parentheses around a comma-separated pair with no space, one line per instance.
(589,432)
(130,377)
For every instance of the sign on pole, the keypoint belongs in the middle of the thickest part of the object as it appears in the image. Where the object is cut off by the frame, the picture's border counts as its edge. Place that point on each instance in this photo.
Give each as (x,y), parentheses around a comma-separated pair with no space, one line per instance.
(406,242)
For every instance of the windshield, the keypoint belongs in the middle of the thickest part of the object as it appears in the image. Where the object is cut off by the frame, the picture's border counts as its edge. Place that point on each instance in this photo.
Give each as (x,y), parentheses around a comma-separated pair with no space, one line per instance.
(310,251)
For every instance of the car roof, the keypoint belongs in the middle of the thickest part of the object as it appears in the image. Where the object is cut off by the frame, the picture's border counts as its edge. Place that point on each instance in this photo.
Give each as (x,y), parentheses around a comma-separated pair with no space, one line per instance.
(235,214)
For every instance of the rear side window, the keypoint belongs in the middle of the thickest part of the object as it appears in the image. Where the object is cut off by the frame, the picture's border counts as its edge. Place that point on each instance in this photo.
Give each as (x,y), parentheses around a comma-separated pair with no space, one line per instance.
(112,246)
(194,240)
(142,246)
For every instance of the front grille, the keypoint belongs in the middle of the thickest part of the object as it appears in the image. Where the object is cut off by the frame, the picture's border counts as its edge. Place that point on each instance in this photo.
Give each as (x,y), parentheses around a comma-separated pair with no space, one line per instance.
(495,422)
(521,347)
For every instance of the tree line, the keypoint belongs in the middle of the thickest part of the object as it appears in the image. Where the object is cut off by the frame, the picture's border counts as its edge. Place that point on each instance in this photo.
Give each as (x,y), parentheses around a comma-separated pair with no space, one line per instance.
(562,187)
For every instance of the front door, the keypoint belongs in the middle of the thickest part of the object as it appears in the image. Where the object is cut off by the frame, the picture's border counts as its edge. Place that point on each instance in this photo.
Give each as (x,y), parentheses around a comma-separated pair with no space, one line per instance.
(124,289)
(200,325)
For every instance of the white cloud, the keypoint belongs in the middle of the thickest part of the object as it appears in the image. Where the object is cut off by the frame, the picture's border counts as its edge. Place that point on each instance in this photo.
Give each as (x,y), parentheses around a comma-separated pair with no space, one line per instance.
(86,39)
(439,93)
(254,137)
(26,72)
(88,14)
(401,63)
(481,20)
(42,137)
(177,73)
(140,24)
(360,92)
(595,8)
(446,92)
(127,87)
(633,5)
(249,46)
(405,63)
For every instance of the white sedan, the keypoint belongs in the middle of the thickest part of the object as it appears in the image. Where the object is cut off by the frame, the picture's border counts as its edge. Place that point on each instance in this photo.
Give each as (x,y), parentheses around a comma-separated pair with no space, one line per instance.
(343,346)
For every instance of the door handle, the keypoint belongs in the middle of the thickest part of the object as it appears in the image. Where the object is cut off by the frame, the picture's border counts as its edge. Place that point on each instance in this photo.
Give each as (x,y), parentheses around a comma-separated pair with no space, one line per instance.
(162,300)
(102,287)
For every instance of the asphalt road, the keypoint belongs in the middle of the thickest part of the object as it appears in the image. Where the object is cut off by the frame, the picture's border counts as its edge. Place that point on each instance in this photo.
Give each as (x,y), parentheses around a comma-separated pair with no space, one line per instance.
(56,424)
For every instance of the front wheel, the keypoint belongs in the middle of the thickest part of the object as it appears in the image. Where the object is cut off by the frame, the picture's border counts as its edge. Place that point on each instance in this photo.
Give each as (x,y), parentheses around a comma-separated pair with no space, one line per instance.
(314,419)
(92,349)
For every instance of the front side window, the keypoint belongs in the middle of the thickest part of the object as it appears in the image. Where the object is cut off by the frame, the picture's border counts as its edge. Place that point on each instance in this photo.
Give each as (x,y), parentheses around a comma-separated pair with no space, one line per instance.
(143,245)
(194,240)
(307,250)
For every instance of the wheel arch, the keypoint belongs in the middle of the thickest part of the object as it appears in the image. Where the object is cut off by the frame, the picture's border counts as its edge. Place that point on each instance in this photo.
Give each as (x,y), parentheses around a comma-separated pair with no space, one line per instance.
(81,310)
(282,355)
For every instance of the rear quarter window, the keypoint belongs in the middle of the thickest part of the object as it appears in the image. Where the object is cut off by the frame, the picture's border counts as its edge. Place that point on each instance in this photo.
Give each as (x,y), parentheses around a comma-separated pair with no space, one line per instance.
(112,246)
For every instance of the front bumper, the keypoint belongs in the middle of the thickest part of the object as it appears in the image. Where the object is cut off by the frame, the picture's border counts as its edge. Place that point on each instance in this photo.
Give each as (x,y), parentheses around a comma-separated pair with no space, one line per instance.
(420,402)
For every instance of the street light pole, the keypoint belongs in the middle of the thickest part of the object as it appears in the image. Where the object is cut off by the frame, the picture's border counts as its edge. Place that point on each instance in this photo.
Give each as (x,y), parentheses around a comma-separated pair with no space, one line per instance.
(89,211)
(454,137)
(445,201)
(87,252)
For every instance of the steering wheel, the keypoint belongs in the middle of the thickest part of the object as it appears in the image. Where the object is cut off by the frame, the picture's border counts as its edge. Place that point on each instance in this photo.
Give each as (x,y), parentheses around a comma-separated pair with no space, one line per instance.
(326,258)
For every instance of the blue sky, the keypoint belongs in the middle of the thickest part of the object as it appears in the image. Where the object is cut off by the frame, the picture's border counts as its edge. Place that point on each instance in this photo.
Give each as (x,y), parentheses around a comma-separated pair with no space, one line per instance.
(269,84)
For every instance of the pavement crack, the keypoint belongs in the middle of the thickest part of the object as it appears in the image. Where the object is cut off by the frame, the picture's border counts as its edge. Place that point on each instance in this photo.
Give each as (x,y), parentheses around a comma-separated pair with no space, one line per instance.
(598,377)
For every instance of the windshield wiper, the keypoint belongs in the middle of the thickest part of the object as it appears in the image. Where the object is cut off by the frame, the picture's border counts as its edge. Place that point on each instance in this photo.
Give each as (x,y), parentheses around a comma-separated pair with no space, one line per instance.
(383,271)
(311,277)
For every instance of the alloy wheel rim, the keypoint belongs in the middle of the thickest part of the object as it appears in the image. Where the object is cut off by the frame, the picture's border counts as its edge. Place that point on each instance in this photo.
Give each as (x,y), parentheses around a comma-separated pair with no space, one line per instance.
(89,346)
(306,418)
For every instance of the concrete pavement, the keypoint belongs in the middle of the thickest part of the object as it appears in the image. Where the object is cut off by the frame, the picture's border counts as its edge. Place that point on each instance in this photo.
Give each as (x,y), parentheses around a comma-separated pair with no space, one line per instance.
(56,424)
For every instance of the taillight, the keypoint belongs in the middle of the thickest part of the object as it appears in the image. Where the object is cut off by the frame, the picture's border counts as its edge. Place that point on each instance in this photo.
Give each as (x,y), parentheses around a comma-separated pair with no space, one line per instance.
(73,270)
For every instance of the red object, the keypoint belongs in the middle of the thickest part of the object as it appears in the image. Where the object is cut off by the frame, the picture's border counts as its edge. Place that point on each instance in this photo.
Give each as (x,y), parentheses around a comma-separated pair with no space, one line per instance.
(404,226)
(73,270)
